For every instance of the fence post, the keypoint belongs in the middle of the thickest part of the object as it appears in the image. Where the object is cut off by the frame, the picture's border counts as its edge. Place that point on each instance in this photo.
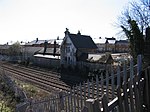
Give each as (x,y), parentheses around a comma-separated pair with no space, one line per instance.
(112,82)
(85,109)
(107,84)
(93,105)
(89,103)
(96,106)
(124,72)
(105,103)
(148,82)
(131,70)
(118,75)
(93,88)
(147,89)
(102,84)
(81,100)
(61,100)
(97,87)
(126,103)
(74,98)
(139,64)
(137,95)
(69,102)
(84,93)
(88,88)
(119,99)
(71,98)
(77,92)
(131,95)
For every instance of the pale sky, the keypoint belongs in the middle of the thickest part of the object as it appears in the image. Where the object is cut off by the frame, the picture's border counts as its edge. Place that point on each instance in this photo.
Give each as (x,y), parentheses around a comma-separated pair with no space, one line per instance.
(26,20)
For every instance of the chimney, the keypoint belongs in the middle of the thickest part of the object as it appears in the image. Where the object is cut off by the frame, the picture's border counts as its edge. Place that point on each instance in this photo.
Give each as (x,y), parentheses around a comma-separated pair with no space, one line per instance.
(54,51)
(36,39)
(45,46)
(58,38)
(67,31)
(79,33)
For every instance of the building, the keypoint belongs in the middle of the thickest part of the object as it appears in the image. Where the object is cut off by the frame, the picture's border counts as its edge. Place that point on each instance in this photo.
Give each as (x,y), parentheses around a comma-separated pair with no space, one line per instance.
(105,44)
(76,47)
(100,43)
(122,46)
(112,45)
(40,47)
(4,49)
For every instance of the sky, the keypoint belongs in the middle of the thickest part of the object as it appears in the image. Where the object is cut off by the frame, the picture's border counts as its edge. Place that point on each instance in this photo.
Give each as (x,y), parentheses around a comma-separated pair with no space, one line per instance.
(26,20)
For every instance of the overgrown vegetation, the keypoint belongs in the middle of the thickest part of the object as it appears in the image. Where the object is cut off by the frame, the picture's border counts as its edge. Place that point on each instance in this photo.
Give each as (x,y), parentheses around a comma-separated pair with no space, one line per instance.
(8,100)
(32,91)
(8,97)
(15,49)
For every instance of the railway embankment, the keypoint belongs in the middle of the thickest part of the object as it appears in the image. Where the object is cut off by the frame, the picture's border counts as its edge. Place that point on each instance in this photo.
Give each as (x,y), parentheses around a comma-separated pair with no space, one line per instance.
(29,83)
(10,93)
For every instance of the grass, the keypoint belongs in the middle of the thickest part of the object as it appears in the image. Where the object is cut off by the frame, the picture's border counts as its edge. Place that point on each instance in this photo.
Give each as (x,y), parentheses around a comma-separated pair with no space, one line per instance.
(7,100)
(6,103)
(32,91)
(4,107)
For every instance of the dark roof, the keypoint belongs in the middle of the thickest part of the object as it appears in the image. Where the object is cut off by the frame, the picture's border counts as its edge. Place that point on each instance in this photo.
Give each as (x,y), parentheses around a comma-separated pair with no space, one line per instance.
(107,58)
(36,42)
(82,41)
(111,38)
(122,41)
(49,51)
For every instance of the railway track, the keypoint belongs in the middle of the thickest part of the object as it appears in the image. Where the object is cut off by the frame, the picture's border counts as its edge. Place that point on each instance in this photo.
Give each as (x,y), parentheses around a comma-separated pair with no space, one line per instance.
(46,81)
(43,80)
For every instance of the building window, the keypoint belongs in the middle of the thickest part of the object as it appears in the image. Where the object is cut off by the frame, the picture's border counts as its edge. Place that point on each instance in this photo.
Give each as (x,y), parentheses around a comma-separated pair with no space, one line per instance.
(67,49)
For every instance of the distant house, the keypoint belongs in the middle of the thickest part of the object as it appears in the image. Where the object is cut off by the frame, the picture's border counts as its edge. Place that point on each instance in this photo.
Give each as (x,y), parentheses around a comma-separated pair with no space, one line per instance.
(75,47)
(105,44)
(52,48)
(43,53)
(41,47)
(100,43)
(4,49)
(110,44)
(32,47)
(122,46)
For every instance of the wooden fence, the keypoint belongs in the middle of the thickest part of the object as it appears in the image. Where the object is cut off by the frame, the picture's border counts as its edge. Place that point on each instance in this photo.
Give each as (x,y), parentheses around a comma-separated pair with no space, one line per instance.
(126,91)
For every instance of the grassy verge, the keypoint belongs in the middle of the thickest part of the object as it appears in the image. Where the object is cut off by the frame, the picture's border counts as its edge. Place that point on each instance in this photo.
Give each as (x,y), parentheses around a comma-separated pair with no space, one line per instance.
(32,91)
(4,107)
(7,99)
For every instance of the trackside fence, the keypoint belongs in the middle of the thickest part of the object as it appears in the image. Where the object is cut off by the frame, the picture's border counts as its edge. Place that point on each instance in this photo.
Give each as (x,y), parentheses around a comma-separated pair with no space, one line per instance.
(125,91)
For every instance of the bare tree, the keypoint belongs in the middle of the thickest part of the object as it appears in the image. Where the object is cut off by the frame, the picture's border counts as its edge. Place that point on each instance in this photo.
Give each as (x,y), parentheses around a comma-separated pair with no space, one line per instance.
(138,11)
(141,13)
(15,49)
(133,21)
